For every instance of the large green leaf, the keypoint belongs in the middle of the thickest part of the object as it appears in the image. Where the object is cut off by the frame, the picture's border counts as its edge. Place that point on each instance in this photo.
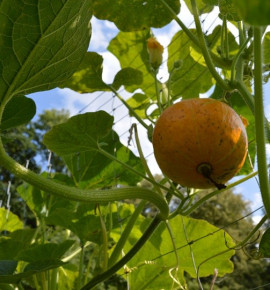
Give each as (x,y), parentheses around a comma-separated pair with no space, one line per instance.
(196,240)
(44,252)
(255,12)
(42,43)
(88,76)
(78,141)
(192,78)
(19,110)
(131,50)
(131,15)
(9,221)
(17,241)
(80,133)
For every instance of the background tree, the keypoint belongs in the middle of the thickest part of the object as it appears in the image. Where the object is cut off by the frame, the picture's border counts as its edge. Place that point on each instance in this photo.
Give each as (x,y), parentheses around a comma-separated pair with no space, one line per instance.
(24,144)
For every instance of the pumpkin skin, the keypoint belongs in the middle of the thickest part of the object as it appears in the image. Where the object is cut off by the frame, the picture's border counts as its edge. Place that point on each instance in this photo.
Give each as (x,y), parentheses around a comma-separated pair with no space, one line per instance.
(200,143)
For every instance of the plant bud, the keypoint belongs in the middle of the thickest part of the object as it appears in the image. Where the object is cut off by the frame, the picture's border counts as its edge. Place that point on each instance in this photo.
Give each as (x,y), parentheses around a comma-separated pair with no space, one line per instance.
(155,50)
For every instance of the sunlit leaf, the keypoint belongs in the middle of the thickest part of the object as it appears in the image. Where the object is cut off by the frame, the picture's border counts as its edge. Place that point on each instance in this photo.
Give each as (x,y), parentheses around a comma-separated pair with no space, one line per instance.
(9,221)
(191,78)
(128,77)
(88,76)
(152,264)
(228,9)
(266,48)
(131,15)
(139,103)
(42,43)
(131,50)
(204,6)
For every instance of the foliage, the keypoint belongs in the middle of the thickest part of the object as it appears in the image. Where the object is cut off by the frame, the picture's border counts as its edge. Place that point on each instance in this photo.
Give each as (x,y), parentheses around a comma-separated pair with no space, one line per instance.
(81,228)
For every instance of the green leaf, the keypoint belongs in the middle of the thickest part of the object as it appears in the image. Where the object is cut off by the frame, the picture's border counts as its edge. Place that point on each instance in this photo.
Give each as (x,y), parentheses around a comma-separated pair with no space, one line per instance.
(67,276)
(9,221)
(77,142)
(192,78)
(7,267)
(228,9)
(85,223)
(96,170)
(88,76)
(13,244)
(152,263)
(128,77)
(266,48)
(264,247)
(211,2)
(131,15)
(19,110)
(31,269)
(44,252)
(33,197)
(131,50)
(139,103)
(254,12)
(42,43)
(79,134)
(204,6)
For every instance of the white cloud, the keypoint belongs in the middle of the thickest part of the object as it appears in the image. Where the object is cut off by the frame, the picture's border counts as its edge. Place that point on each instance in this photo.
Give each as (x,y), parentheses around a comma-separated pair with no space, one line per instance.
(102,33)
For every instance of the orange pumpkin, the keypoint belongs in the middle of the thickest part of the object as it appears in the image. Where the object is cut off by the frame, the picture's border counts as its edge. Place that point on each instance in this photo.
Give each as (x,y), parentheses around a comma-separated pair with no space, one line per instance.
(200,143)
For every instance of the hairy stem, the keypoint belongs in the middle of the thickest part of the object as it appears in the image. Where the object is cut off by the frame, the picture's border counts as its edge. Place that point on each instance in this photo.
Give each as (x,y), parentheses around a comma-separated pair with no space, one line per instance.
(77,194)
(260,121)
(205,51)
(124,236)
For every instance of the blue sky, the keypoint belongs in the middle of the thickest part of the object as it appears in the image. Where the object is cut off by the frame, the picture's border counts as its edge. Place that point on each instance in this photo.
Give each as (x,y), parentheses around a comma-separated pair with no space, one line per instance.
(103,31)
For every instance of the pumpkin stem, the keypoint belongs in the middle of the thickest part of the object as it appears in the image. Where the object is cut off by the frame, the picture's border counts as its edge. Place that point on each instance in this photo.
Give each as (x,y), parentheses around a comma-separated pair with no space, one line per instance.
(206,169)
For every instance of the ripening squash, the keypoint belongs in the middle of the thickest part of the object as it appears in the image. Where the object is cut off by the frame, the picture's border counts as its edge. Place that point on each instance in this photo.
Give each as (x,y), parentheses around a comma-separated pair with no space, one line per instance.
(200,143)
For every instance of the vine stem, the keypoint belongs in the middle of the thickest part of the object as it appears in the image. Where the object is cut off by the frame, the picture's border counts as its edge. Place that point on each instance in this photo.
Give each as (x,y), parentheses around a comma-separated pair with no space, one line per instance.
(260,121)
(219,61)
(124,236)
(144,238)
(130,109)
(83,195)
(215,192)
(237,57)
(205,51)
